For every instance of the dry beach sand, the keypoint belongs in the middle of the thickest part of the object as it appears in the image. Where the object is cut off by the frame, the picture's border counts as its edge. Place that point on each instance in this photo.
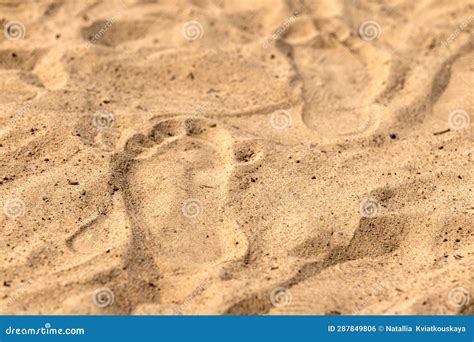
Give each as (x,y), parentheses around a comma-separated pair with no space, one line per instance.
(237,157)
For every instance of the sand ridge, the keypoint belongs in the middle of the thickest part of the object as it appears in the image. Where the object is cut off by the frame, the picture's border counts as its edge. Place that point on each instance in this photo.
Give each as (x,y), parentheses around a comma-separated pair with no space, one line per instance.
(234,157)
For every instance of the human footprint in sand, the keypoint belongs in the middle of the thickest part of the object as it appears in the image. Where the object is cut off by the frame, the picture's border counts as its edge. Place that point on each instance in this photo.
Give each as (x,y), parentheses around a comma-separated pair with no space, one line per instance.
(174,183)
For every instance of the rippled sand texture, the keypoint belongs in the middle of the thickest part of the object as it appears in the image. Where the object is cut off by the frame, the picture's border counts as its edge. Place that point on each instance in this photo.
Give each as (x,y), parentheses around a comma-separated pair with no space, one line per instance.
(237,157)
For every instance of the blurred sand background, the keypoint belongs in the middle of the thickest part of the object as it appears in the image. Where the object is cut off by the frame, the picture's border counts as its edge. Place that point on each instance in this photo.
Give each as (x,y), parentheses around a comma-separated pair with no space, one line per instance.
(237,157)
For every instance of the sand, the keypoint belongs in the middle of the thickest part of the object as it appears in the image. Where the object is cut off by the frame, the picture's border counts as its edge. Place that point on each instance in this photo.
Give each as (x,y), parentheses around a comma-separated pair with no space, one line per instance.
(237,157)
